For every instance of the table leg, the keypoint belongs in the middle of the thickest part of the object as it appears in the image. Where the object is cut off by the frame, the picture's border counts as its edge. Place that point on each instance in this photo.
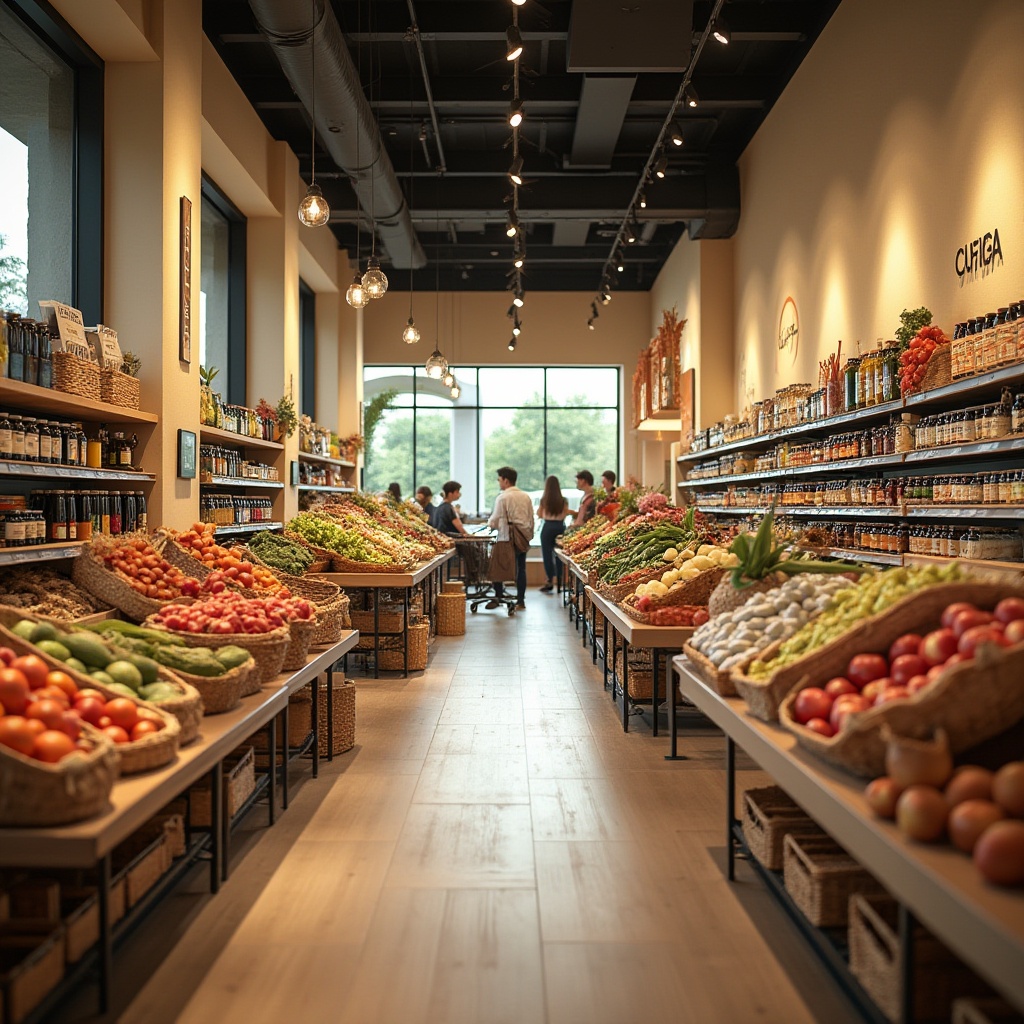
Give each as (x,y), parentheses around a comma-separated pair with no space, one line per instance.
(376,637)
(106,949)
(624,686)
(670,691)
(655,659)
(605,659)
(330,713)
(405,632)
(272,750)
(218,848)
(314,718)
(730,807)
(906,924)
(593,633)
(285,751)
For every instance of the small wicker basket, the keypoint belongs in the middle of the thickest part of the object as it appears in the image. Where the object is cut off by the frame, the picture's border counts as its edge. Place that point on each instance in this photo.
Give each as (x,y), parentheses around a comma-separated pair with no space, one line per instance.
(450,614)
(769,815)
(390,658)
(118,388)
(75,376)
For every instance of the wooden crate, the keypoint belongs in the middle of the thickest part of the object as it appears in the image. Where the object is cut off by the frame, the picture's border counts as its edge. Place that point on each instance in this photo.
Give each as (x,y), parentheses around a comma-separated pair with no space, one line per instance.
(31,966)
(141,862)
(769,815)
(239,782)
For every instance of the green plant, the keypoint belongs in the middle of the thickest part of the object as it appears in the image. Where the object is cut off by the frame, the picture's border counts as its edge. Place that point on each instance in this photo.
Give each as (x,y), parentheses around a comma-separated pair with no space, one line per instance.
(206,375)
(373,411)
(911,321)
(130,363)
(287,417)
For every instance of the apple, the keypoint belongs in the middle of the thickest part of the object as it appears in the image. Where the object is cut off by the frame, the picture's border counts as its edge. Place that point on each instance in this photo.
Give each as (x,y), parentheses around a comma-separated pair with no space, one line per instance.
(916,683)
(845,706)
(864,668)
(938,646)
(1010,609)
(7,656)
(892,693)
(905,667)
(971,639)
(874,688)
(966,620)
(812,702)
(821,727)
(1014,631)
(952,610)
(840,685)
(909,643)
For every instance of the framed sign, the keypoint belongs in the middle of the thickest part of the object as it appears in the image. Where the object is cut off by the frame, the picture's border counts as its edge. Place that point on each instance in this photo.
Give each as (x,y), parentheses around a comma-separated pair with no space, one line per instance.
(185,315)
(186,454)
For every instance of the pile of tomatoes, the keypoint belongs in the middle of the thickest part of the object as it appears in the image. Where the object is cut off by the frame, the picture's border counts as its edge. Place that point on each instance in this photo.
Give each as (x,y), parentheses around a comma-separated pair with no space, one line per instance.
(914,361)
(145,569)
(41,712)
(677,615)
(232,613)
(199,541)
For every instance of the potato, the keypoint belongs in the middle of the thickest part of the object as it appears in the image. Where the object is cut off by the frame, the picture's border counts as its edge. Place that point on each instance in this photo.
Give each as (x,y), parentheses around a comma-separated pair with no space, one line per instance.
(688,574)
(670,577)
(686,554)
(656,588)
(730,561)
(705,549)
(702,562)
(716,555)
(670,555)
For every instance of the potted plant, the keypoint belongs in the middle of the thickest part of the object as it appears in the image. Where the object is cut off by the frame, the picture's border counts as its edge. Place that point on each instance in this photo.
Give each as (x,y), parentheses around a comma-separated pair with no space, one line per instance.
(268,418)
(209,402)
(287,417)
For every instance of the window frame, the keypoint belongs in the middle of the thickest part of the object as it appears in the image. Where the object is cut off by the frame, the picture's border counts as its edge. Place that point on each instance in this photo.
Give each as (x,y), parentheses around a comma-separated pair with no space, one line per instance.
(307,350)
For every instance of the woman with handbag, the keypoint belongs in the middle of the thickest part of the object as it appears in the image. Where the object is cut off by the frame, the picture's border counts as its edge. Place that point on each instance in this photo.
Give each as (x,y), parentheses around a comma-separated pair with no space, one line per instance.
(552,510)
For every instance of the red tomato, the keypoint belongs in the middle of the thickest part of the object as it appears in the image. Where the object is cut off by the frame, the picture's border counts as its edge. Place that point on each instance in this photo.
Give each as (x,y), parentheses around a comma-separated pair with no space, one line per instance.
(973,637)
(700,616)
(905,667)
(146,715)
(52,746)
(49,712)
(14,691)
(143,727)
(116,734)
(7,655)
(90,692)
(33,668)
(821,727)
(966,620)
(123,712)
(35,726)
(64,682)
(844,706)
(864,668)
(953,610)
(874,688)
(938,645)
(72,724)
(16,734)
(1010,609)
(840,685)
(811,702)
(1014,631)
(90,709)
(52,693)
(909,643)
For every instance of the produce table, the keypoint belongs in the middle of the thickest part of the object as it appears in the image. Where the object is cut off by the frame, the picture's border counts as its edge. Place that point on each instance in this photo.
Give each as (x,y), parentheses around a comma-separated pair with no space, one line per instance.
(136,798)
(573,588)
(982,924)
(656,639)
(429,573)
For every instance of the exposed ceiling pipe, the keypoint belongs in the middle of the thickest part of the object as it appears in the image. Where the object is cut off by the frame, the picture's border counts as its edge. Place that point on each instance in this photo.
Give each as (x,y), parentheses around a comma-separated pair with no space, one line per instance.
(414,28)
(345,122)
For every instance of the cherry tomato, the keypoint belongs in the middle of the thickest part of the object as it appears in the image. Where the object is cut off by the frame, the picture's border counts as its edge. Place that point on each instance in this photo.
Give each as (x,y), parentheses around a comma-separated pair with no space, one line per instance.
(64,681)
(116,734)
(144,727)
(33,668)
(14,691)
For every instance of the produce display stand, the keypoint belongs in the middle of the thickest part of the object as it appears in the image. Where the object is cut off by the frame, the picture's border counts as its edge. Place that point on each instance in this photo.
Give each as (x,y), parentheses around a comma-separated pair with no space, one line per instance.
(937,885)
(573,589)
(430,574)
(135,799)
(658,640)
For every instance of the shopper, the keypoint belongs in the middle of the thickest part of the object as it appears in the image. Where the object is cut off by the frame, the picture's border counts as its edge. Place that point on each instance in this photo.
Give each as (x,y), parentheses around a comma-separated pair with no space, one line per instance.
(446,519)
(395,490)
(585,483)
(552,510)
(608,479)
(424,495)
(511,507)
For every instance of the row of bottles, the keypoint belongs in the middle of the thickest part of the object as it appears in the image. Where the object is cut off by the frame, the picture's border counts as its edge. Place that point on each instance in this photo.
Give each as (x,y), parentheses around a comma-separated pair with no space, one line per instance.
(60,516)
(984,543)
(216,461)
(234,510)
(58,443)
(987,342)
(29,350)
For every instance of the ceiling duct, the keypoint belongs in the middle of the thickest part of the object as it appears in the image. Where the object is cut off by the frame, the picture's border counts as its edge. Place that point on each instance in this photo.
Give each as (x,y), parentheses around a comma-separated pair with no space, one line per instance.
(341,104)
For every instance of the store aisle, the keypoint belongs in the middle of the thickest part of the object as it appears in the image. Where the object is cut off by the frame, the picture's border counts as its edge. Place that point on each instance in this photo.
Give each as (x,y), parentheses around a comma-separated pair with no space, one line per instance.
(495,849)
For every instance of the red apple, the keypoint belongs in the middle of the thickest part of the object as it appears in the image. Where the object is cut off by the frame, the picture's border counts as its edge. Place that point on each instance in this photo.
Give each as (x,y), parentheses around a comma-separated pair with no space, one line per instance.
(7,656)
(971,639)
(909,643)
(892,693)
(864,668)
(840,685)
(821,727)
(1010,609)
(874,688)
(953,610)
(966,620)
(918,683)
(812,702)
(1014,631)
(905,667)
(938,646)
(845,706)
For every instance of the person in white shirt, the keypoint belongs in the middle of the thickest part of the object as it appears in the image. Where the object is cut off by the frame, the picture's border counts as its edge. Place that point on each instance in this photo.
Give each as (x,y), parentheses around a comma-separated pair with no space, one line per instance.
(511,506)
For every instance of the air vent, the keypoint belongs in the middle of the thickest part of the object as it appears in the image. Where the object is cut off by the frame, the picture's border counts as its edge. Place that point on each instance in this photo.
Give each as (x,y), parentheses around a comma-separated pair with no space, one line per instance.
(630,35)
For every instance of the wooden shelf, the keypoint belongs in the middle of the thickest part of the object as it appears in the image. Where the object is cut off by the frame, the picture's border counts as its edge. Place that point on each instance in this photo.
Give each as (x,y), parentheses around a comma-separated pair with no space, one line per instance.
(857,555)
(965,512)
(46,471)
(241,481)
(991,565)
(813,511)
(214,435)
(318,487)
(323,460)
(40,553)
(16,394)
(968,386)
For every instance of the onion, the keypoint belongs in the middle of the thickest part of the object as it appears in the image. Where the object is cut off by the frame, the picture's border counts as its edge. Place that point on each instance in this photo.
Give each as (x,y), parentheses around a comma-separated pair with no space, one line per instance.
(968,820)
(921,813)
(1008,788)
(881,795)
(999,853)
(969,782)
(912,762)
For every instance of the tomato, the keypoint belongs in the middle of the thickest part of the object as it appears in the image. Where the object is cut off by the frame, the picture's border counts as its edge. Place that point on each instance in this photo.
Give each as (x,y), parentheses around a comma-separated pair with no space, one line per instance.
(952,610)
(116,734)
(90,709)
(811,702)
(840,685)
(33,668)
(52,746)
(72,724)
(16,734)
(123,712)
(64,681)
(972,638)
(49,712)
(700,616)
(909,643)
(821,727)
(91,693)
(905,667)
(14,691)
(52,693)
(966,620)
(1010,609)
(7,655)
(146,715)
(143,728)
(864,668)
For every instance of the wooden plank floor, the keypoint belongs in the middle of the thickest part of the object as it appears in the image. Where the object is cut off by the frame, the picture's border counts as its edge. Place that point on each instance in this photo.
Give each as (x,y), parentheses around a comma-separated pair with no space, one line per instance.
(494,849)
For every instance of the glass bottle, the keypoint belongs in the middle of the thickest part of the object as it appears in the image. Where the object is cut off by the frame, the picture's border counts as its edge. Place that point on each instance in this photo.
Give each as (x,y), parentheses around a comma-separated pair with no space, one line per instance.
(58,516)
(84,518)
(17,438)
(83,445)
(142,517)
(16,349)
(45,358)
(31,438)
(116,517)
(45,442)
(6,451)
(1017,415)
(31,353)
(114,449)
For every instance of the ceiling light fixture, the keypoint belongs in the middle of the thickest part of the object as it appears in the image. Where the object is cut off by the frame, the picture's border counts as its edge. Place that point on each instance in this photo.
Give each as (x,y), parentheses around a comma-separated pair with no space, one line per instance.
(515,113)
(631,232)
(456,390)
(514,43)
(515,172)
(517,327)
(512,345)
(436,365)
(676,134)
(605,296)
(721,31)
(375,282)
(411,334)
(513,224)
(448,378)
(594,310)
(313,209)
(518,301)
(643,200)
(620,264)
(690,97)
(356,295)
(661,167)
(519,3)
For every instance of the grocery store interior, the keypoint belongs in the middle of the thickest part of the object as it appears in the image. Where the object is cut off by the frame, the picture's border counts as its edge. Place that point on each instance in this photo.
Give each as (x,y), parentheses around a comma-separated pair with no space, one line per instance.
(511,511)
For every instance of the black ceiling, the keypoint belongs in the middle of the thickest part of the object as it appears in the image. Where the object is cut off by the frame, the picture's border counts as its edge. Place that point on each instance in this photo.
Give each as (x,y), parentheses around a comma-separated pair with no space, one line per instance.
(586,139)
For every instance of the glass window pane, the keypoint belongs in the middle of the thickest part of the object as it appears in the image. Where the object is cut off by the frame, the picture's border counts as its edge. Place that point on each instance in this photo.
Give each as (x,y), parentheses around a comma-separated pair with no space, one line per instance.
(575,385)
(511,386)
(390,378)
(389,455)
(431,392)
(214,293)
(37,125)
(433,448)
(582,439)
(512,437)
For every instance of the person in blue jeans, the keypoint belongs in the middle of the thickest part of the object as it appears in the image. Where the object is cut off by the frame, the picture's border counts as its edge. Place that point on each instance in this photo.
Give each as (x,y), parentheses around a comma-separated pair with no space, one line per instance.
(552,510)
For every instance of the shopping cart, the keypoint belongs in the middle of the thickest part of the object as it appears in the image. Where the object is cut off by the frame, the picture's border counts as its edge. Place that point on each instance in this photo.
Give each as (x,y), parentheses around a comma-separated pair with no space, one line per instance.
(475,552)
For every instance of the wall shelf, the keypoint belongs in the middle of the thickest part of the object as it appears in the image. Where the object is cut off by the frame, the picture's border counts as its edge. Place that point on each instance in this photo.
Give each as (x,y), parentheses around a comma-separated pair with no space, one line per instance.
(241,481)
(40,553)
(812,511)
(16,394)
(249,527)
(317,487)
(874,557)
(323,460)
(968,387)
(214,435)
(47,471)
(965,512)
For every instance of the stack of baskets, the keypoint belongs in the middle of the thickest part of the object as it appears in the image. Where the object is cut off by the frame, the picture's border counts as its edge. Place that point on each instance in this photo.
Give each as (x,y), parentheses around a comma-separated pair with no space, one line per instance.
(75,376)
(117,388)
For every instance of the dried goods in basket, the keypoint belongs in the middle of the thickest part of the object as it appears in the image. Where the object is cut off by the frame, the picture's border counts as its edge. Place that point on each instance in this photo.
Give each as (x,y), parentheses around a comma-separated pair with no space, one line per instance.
(971,701)
(720,680)
(36,795)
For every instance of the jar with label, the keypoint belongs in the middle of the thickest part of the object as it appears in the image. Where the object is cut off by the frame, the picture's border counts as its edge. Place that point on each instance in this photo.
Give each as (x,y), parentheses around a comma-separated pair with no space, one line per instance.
(31,352)
(45,441)
(890,360)
(866,380)
(988,346)
(31,438)
(1000,420)
(6,451)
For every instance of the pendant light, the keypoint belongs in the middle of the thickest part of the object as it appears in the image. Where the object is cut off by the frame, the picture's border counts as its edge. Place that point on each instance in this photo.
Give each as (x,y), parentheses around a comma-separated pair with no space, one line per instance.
(436,364)
(313,209)
(411,334)
(456,390)
(356,296)
(375,282)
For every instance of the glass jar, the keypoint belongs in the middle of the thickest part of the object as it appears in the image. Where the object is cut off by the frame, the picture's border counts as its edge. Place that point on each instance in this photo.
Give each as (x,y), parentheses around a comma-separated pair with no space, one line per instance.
(868,366)
(31,438)
(1017,415)
(1001,421)
(890,373)
(6,451)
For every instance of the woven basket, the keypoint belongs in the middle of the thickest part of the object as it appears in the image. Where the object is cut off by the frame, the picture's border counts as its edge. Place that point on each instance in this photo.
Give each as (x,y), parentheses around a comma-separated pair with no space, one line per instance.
(34,794)
(821,877)
(391,660)
(154,749)
(938,371)
(387,622)
(695,591)
(450,614)
(220,693)
(341,564)
(984,1011)
(640,683)
(909,614)
(266,648)
(718,679)
(972,701)
(76,376)
(301,633)
(118,388)
(617,591)
(343,733)
(453,587)
(322,557)
(181,559)
(769,815)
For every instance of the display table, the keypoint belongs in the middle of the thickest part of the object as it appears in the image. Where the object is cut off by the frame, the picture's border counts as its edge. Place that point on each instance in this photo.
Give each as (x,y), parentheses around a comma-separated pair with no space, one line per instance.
(573,586)
(657,639)
(982,924)
(428,573)
(137,798)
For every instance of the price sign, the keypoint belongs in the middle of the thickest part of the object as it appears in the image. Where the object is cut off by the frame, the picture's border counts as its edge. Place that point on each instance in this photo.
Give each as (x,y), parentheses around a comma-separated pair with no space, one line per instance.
(67,321)
(108,351)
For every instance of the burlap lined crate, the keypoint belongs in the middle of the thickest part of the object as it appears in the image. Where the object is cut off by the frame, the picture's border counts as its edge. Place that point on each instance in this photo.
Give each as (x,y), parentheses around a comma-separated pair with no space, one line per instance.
(391,660)
(821,877)
(343,733)
(939,976)
(769,814)
(450,614)
(76,376)
(118,388)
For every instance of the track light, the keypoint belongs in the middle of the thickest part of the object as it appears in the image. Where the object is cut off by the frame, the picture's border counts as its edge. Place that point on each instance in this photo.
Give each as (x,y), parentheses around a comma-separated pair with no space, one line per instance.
(620,265)
(514,43)
(590,324)
(690,97)
(518,301)
(643,200)
(517,328)
(605,296)
(721,31)
(520,259)
(512,344)
(676,134)
(515,113)
(513,224)
(631,232)
(515,172)
(661,167)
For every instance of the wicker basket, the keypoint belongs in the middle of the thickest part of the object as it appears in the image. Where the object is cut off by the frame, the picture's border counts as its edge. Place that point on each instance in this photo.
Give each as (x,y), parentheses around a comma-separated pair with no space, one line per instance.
(939,977)
(322,557)
(910,614)
(182,559)
(453,587)
(343,733)
(938,371)
(769,815)
(387,622)
(341,564)
(118,388)
(390,659)
(971,701)
(695,591)
(618,591)
(34,794)
(301,633)
(821,877)
(220,693)
(640,682)
(450,614)
(76,376)
(720,680)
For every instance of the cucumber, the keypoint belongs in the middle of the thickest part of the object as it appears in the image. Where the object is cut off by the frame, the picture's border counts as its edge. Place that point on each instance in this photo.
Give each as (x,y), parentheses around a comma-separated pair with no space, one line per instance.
(232,656)
(89,649)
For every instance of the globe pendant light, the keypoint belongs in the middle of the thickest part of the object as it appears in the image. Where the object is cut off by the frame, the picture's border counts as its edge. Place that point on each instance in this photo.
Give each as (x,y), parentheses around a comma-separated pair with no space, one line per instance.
(456,390)
(313,209)
(411,334)
(375,282)
(356,295)
(449,378)
(436,365)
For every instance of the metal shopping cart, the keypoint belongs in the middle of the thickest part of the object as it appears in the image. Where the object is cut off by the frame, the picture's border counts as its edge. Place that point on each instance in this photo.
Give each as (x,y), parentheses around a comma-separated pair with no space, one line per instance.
(475,552)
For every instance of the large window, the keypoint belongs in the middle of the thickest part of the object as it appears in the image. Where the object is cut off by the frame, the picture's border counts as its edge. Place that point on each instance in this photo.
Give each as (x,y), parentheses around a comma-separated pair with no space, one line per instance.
(307,350)
(222,293)
(51,126)
(540,420)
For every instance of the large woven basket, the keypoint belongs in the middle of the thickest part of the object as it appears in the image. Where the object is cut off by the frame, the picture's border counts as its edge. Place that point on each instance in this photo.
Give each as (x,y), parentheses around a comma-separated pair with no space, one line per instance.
(341,564)
(220,693)
(181,559)
(617,591)
(453,587)
(972,701)
(390,657)
(450,614)
(769,815)
(387,622)
(343,708)
(695,591)
(300,639)
(911,613)
(118,388)
(322,557)
(76,376)
(37,795)
(938,370)
(720,680)
(330,601)
(154,749)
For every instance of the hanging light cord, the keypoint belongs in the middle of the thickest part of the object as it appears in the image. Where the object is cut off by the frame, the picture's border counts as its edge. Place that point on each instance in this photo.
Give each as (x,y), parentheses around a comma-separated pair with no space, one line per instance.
(312,75)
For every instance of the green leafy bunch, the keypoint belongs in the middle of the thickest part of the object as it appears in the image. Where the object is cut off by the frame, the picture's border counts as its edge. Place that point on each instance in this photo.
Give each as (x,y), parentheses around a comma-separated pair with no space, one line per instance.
(911,321)
(287,417)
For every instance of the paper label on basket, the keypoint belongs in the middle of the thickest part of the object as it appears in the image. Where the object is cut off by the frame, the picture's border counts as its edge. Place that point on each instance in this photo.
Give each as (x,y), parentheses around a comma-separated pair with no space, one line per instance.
(70,328)
(104,344)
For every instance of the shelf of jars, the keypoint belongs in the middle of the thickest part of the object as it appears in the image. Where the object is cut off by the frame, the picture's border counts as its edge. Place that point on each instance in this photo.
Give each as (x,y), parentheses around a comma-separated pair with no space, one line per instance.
(223,528)
(48,471)
(40,552)
(863,555)
(16,394)
(323,460)
(215,435)
(811,511)
(999,512)
(968,387)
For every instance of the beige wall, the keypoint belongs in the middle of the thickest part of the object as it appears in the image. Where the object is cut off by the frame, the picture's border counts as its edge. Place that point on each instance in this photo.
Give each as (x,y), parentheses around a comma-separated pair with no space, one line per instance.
(898,140)
(475,331)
